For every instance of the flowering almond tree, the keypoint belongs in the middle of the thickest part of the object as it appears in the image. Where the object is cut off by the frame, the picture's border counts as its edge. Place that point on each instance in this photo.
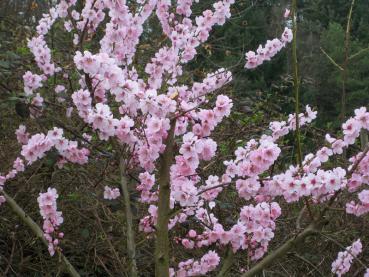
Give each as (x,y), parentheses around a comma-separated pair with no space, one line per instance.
(158,124)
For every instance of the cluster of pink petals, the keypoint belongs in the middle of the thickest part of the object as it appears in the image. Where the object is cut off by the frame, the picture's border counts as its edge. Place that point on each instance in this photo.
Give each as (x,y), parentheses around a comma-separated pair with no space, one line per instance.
(148,222)
(110,193)
(41,51)
(37,146)
(147,182)
(2,200)
(124,30)
(42,54)
(18,166)
(82,100)
(345,258)
(90,17)
(185,34)
(269,50)
(2,182)
(52,218)
(196,147)
(22,134)
(206,264)
(31,82)
(360,208)
(36,106)
(282,128)
(310,180)
(252,232)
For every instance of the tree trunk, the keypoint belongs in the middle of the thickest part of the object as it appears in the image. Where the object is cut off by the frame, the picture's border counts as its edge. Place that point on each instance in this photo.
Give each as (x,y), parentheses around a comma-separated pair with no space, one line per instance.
(162,237)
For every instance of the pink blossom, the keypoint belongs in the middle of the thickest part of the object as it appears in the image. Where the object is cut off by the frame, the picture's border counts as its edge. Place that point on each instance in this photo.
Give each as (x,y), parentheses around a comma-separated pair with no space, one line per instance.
(345,258)
(271,48)
(31,82)
(52,218)
(2,200)
(59,88)
(22,135)
(110,193)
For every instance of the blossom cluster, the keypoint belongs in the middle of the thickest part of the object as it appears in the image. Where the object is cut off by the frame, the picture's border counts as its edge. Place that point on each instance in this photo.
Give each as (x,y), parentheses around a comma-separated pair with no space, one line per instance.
(345,258)
(18,166)
(22,134)
(40,49)
(31,82)
(110,193)
(253,231)
(37,145)
(185,35)
(269,50)
(38,45)
(147,182)
(207,263)
(123,31)
(52,219)
(196,147)
(311,180)
(256,157)
(251,161)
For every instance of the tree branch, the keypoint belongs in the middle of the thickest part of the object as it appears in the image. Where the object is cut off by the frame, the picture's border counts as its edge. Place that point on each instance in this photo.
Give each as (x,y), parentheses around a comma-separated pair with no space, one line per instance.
(282,250)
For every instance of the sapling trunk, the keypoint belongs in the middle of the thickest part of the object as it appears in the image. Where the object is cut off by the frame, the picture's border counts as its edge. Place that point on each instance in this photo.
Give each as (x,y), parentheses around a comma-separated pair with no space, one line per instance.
(162,237)
(131,245)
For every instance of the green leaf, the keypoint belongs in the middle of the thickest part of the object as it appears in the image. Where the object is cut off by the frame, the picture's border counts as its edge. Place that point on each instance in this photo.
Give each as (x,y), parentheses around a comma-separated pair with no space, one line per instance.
(22,50)
(73,196)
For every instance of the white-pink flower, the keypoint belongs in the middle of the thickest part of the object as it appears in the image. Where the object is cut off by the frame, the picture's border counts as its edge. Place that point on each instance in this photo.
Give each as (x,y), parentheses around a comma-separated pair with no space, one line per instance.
(110,193)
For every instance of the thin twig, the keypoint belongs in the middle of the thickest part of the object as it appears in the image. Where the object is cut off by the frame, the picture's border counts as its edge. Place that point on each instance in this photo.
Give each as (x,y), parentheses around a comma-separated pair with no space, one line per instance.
(358,53)
(331,59)
(308,262)
(131,245)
